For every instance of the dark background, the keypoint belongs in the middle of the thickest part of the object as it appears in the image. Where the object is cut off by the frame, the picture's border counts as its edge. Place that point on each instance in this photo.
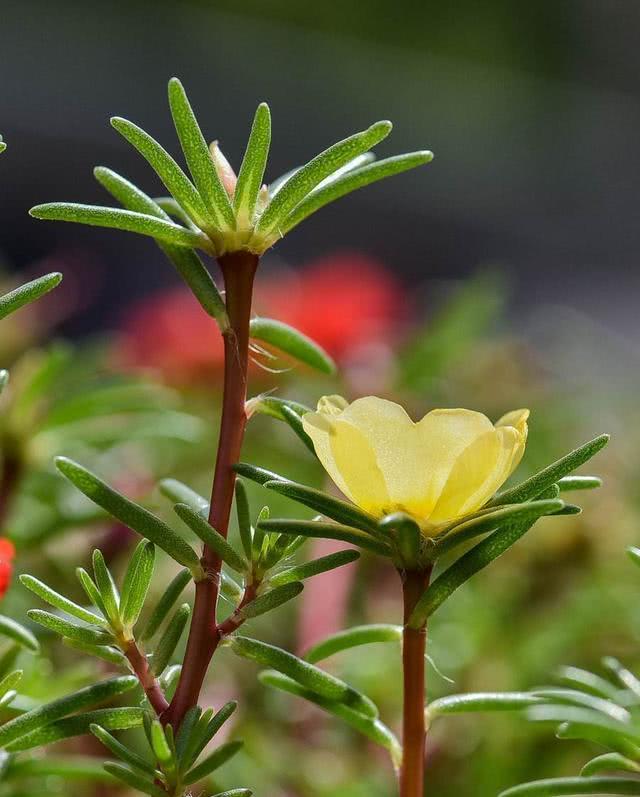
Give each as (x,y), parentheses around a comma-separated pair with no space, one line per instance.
(532,110)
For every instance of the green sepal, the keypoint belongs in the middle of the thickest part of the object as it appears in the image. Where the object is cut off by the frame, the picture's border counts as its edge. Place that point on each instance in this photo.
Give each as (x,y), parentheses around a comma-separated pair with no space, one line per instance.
(293,342)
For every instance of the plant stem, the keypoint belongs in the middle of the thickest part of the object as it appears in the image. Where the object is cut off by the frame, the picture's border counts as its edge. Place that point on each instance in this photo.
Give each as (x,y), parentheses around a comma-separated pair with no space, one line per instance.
(148,681)
(413,668)
(12,472)
(238,270)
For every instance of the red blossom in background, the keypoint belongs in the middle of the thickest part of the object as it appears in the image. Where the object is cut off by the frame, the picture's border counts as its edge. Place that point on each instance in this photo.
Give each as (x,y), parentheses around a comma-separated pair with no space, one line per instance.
(342,301)
(7,554)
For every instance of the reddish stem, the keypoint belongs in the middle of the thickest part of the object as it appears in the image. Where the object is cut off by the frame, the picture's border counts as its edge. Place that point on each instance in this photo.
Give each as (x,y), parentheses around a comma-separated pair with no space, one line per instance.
(413,666)
(148,681)
(238,270)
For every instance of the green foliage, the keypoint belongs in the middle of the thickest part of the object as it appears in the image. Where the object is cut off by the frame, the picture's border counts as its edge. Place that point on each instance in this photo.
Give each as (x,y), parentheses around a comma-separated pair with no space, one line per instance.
(292,342)
(28,292)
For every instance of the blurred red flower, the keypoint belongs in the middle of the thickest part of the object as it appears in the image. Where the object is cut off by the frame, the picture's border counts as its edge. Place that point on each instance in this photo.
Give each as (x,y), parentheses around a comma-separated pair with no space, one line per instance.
(7,554)
(342,301)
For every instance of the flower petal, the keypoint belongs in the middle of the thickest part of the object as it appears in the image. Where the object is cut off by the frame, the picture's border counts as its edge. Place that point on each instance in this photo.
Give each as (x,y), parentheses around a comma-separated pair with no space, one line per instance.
(348,458)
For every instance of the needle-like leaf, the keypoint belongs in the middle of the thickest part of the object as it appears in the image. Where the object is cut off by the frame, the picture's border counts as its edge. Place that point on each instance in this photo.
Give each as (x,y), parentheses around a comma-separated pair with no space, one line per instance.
(28,293)
(253,166)
(292,342)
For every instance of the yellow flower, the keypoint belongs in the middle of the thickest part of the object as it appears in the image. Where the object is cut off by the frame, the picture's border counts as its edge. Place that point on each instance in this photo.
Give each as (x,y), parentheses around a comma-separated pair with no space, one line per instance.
(437,470)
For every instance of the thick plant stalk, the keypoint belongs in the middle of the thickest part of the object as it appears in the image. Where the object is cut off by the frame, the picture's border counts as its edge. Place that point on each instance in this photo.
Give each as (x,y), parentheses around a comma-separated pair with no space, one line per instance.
(238,269)
(413,670)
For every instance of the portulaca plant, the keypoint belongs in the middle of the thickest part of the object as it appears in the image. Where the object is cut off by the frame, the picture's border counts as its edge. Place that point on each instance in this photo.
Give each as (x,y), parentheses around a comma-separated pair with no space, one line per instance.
(413,492)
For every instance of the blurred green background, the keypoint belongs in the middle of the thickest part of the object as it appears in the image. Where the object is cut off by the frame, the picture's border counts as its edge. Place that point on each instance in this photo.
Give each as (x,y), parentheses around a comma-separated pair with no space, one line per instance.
(503,275)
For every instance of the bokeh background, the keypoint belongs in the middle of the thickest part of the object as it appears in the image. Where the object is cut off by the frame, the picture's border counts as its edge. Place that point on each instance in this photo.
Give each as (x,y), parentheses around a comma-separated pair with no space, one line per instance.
(502,275)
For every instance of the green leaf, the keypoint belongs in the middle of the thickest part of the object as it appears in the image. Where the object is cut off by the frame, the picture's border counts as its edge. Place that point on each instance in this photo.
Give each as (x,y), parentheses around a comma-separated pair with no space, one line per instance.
(65,628)
(315,679)
(351,181)
(212,762)
(588,682)
(117,219)
(293,342)
(579,483)
(624,676)
(165,604)
(178,493)
(270,405)
(271,600)
(353,637)
(332,531)
(136,583)
(466,566)
(120,751)
(28,293)
(307,178)
(578,787)
(67,767)
(199,158)
(10,681)
(62,707)
(313,568)
(187,726)
(107,588)
(529,511)
(253,165)
(186,261)
(482,701)
(18,634)
(233,793)
(609,762)
(256,474)
(244,518)
(176,181)
(205,729)
(534,485)
(130,513)
(586,718)
(575,697)
(90,589)
(370,727)
(634,554)
(159,743)
(3,145)
(53,598)
(211,537)
(105,652)
(133,779)
(170,638)
(293,420)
